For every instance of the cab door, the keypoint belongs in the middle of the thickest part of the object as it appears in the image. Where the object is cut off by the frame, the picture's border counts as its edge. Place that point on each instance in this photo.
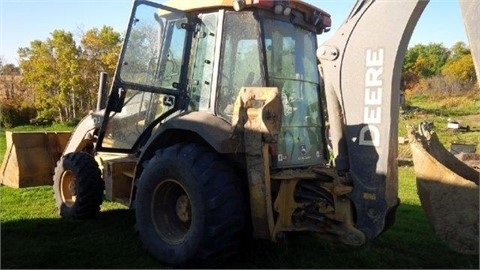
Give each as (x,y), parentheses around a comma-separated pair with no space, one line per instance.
(150,80)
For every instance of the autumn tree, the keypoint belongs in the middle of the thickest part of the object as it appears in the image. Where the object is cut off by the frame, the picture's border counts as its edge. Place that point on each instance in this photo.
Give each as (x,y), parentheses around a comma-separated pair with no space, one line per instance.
(100,50)
(51,71)
(435,68)
(460,68)
(426,60)
(421,62)
(9,80)
(64,75)
(15,101)
(458,50)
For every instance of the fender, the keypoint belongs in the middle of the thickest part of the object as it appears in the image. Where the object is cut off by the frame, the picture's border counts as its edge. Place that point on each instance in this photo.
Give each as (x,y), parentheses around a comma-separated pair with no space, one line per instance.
(212,129)
(361,65)
(83,133)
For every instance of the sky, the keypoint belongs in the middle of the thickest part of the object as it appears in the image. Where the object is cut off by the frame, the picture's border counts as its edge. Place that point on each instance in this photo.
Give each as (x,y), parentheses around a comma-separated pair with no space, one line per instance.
(23,21)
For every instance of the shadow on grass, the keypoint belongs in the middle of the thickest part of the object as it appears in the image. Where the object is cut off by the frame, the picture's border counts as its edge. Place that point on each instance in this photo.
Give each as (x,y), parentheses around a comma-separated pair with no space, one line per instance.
(409,244)
(111,242)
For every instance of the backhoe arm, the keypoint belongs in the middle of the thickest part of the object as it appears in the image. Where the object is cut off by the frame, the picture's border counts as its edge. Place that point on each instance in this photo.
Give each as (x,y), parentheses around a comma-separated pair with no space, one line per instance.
(471,20)
(361,65)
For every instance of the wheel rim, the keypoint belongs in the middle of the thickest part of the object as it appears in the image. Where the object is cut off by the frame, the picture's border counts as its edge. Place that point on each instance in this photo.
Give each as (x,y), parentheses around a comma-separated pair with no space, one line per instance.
(67,188)
(171,211)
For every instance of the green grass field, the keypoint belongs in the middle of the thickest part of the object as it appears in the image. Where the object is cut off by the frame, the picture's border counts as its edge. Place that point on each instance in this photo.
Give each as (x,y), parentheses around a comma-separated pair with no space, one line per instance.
(34,236)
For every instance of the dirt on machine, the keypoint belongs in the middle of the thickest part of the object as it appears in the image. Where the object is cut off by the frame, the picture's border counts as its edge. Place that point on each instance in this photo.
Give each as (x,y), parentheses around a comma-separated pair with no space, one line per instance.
(226,120)
(448,190)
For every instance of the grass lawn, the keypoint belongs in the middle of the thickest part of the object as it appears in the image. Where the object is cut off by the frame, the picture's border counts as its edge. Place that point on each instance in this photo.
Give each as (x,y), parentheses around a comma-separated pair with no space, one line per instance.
(34,236)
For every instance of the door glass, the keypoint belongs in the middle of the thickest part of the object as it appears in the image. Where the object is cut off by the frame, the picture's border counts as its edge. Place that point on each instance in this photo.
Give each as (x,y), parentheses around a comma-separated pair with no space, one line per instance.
(154,49)
(139,110)
(240,65)
(202,74)
(150,66)
(292,67)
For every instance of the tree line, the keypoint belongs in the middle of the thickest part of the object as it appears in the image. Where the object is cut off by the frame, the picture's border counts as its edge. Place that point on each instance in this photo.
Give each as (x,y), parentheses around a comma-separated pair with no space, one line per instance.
(57,79)
(435,68)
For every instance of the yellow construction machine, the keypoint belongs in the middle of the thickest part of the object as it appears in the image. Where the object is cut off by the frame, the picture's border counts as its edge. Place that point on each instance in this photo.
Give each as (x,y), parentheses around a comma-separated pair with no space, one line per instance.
(227,118)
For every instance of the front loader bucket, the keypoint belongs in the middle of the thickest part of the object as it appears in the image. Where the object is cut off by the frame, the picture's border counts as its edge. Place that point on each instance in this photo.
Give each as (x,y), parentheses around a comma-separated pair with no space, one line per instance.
(448,191)
(31,157)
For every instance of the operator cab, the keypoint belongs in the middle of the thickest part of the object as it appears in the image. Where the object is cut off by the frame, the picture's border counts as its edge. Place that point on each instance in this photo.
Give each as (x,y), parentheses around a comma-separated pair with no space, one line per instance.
(198,59)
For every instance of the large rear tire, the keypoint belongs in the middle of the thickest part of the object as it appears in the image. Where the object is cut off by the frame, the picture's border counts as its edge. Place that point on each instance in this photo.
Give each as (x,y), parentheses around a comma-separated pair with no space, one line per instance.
(190,207)
(78,186)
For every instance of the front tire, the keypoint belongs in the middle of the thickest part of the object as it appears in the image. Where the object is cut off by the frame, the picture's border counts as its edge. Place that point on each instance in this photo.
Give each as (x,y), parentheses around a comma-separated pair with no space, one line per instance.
(190,208)
(78,186)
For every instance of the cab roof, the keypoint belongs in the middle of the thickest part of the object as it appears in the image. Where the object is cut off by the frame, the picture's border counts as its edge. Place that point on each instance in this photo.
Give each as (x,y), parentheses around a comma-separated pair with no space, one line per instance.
(198,6)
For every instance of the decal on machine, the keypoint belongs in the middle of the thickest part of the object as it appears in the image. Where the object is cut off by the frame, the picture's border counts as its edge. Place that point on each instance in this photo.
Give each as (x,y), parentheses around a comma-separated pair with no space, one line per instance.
(303,153)
(372,112)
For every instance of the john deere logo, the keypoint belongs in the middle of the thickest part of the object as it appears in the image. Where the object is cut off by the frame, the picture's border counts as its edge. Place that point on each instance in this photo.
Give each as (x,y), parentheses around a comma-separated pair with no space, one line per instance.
(303,149)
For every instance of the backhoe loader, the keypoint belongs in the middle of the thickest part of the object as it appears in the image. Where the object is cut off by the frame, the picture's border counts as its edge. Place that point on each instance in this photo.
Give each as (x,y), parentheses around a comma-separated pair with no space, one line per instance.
(226,118)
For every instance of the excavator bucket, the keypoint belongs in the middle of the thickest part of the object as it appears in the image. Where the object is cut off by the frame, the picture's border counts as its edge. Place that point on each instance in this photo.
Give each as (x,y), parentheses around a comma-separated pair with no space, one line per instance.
(30,157)
(448,191)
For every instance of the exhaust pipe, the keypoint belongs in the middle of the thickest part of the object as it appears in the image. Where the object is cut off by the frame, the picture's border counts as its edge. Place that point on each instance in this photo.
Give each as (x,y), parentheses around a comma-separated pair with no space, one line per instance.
(102,91)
